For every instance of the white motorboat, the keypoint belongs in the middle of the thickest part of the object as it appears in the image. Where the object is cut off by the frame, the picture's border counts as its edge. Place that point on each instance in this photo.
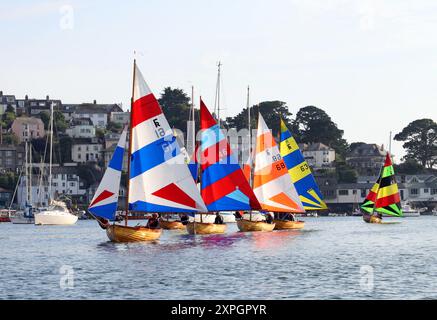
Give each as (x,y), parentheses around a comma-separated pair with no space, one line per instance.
(56,214)
(408,211)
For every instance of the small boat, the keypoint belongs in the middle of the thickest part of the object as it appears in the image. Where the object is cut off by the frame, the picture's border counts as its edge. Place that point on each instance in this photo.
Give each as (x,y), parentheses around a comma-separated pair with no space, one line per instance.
(288,225)
(272,184)
(300,172)
(4,215)
(119,233)
(159,178)
(408,211)
(252,226)
(56,214)
(384,196)
(224,187)
(171,222)
(205,228)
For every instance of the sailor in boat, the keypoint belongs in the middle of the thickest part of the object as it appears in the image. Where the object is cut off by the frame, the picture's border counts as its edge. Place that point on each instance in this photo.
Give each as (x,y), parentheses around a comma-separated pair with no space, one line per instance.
(269,218)
(218,219)
(238,215)
(153,222)
(103,223)
(184,219)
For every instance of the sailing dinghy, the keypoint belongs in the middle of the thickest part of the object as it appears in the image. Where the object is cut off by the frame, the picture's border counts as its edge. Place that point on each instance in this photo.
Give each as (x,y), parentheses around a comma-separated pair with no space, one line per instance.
(223,184)
(271,183)
(159,179)
(384,196)
(301,176)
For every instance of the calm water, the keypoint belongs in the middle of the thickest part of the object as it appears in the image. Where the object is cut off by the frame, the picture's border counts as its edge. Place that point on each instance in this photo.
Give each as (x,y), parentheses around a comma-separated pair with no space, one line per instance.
(321,262)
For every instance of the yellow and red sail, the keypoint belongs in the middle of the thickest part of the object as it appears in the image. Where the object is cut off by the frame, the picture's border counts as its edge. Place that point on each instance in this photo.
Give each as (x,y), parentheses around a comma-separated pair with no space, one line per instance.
(272,184)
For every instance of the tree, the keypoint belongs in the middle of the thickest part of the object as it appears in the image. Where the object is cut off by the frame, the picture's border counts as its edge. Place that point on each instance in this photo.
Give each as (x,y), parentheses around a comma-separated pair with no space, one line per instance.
(271,111)
(59,122)
(8,118)
(45,118)
(313,125)
(176,106)
(420,137)
(410,166)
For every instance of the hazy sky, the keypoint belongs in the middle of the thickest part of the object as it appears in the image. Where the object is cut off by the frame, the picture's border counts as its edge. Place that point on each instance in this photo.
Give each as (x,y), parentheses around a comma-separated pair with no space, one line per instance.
(371,65)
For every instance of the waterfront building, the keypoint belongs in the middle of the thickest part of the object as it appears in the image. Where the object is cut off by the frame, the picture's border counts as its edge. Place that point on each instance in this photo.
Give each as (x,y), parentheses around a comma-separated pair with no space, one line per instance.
(98,113)
(7,101)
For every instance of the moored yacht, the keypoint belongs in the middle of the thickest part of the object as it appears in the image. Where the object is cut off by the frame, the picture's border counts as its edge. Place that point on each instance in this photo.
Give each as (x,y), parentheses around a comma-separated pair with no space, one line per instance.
(56,214)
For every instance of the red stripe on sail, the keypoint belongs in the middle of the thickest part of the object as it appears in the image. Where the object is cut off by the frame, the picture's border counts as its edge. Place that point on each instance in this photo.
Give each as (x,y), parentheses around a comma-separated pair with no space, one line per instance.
(104,195)
(215,153)
(387,162)
(371,196)
(145,108)
(386,201)
(206,119)
(227,185)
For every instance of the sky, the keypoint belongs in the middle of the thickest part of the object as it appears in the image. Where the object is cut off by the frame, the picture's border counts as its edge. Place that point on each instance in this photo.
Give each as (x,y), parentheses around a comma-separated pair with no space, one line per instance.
(370,64)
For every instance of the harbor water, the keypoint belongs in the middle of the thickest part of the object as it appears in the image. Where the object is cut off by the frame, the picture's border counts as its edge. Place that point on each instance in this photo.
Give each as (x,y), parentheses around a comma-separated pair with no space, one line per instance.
(332,258)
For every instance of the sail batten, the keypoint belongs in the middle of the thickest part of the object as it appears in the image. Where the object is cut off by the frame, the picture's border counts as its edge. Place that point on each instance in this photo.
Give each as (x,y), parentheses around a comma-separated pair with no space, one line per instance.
(300,172)
(224,186)
(272,184)
(160,180)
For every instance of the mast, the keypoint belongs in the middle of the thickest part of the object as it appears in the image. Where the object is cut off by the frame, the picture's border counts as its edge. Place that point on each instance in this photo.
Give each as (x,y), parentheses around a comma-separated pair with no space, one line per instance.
(51,153)
(389,145)
(130,144)
(250,134)
(26,167)
(217,94)
(30,172)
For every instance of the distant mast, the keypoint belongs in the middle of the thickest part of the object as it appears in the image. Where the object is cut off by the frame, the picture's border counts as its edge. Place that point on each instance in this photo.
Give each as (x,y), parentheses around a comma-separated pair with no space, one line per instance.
(51,153)
(217,94)
(250,134)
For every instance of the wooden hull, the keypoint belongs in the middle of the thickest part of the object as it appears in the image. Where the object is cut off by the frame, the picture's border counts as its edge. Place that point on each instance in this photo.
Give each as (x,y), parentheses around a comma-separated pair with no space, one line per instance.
(288,225)
(118,233)
(251,226)
(171,225)
(205,228)
(371,219)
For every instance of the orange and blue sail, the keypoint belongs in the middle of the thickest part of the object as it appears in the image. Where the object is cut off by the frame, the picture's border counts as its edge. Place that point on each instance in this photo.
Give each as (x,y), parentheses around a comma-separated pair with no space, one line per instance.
(300,172)
(223,184)
(104,202)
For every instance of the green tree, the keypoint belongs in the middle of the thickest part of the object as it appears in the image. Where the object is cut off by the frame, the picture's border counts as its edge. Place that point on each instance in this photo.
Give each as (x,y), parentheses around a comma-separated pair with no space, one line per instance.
(176,107)
(271,111)
(409,166)
(45,118)
(420,137)
(59,122)
(8,118)
(8,180)
(314,125)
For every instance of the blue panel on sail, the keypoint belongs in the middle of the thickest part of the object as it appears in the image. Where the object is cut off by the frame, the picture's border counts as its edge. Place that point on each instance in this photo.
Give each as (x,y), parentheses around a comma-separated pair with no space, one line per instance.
(151,207)
(106,211)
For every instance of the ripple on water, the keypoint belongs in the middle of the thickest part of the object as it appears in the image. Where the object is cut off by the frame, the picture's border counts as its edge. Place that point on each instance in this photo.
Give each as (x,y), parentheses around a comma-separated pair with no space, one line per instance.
(323,261)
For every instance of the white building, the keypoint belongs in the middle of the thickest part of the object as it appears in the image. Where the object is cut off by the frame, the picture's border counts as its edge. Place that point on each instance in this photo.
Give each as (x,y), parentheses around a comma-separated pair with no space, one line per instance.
(81,128)
(120,117)
(65,181)
(318,155)
(97,113)
(86,150)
